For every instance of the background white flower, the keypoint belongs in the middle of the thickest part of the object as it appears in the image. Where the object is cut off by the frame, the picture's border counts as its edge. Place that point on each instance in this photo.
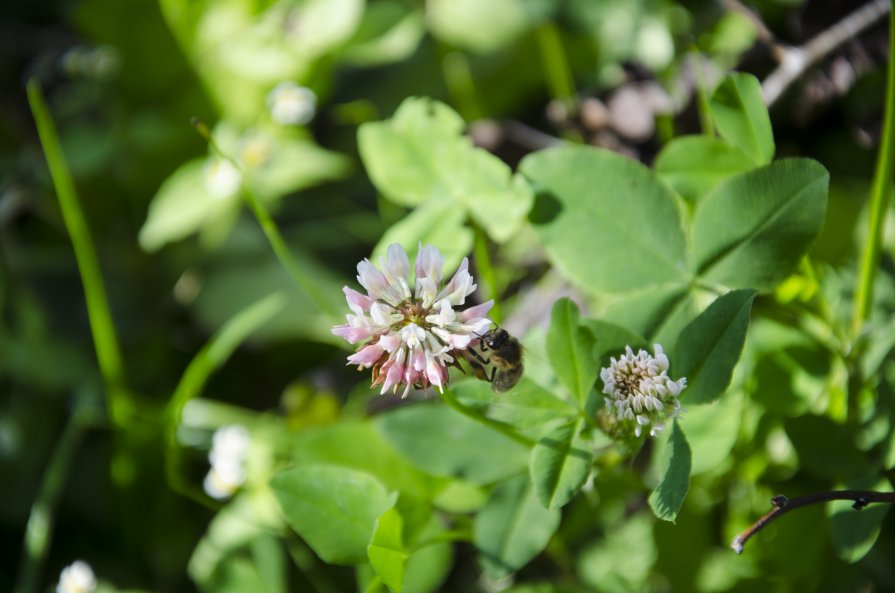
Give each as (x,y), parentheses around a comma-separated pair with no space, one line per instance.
(78,577)
(640,391)
(222,179)
(291,104)
(230,446)
(414,330)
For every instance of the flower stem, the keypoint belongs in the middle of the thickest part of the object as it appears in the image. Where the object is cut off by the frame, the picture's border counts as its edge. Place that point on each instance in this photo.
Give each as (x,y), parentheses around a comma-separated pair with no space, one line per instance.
(102,327)
(486,271)
(472,413)
(211,357)
(300,276)
(38,531)
(881,195)
(556,66)
(703,103)
(461,85)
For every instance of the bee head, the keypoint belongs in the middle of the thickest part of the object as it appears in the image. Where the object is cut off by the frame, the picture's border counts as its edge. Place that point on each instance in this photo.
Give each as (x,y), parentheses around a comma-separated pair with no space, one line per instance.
(495,338)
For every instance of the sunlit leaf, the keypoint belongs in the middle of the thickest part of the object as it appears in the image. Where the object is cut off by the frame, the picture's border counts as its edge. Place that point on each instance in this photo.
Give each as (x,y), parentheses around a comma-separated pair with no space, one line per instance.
(739,112)
(334,509)
(441,442)
(752,231)
(386,551)
(421,155)
(709,347)
(338,445)
(570,349)
(695,165)
(712,431)
(608,222)
(528,406)
(483,26)
(387,33)
(433,223)
(182,206)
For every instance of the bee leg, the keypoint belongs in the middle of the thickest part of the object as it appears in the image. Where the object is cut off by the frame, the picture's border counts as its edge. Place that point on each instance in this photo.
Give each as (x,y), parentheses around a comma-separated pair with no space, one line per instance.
(479,370)
(481,359)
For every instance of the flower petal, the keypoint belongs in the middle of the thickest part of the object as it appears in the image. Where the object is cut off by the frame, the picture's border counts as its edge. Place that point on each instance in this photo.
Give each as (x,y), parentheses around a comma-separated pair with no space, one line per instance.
(367,355)
(359,303)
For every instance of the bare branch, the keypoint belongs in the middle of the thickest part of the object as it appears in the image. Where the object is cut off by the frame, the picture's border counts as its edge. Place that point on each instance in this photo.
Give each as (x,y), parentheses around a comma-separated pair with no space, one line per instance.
(795,60)
(783,505)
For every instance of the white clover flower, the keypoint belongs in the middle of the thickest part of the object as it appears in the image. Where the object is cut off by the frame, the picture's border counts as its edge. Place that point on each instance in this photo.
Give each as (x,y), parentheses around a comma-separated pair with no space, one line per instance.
(413,330)
(78,577)
(291,104)
(222,178)
(230,445)
(640,391)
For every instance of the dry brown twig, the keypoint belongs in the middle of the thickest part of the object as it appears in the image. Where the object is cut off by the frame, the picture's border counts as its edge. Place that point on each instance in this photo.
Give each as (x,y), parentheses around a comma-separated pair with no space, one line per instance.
(794,61)
(782,504)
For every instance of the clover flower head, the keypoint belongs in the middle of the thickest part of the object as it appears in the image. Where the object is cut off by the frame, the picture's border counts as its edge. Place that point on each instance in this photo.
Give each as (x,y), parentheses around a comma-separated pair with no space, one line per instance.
(412,329)
(229,448)
(639,390)
(77,577)
(291,104)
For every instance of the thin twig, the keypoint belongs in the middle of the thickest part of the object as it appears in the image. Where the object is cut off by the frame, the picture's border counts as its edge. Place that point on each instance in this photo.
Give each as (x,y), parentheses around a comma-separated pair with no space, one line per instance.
(783,505)
(795,60)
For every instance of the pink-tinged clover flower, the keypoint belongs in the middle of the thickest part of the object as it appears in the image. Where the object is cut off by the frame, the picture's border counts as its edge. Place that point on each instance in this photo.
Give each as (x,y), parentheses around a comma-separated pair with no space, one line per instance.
(640,391)
(411,330)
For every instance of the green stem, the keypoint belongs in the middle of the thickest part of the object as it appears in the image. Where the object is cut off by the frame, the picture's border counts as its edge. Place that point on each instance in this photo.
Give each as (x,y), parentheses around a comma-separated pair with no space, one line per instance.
(375,585)
(38,531)
(472,413)
(210,358)
(457,535)
(300,276)
(881,195)
(703,105)
(486,271)
(461,85)
(556,66)
(103,329)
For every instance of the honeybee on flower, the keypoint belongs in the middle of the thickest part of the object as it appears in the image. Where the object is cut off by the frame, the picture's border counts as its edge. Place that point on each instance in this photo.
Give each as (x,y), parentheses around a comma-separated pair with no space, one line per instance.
(411,330)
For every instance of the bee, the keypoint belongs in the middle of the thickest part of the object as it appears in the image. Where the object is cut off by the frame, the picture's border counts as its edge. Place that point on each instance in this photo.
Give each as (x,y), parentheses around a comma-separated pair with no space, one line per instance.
(505,359)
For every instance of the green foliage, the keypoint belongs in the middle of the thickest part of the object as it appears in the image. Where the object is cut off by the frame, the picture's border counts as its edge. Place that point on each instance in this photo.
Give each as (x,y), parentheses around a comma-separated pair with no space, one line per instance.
(709,347)
(443,443)
(560,464)
(604,242)
(570,347)
(512,527)
(741,117)
(754,228)
(386,550)
(483,129)
(333,508)
(421,157)
(668,497)
(695,165)
(855,533)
